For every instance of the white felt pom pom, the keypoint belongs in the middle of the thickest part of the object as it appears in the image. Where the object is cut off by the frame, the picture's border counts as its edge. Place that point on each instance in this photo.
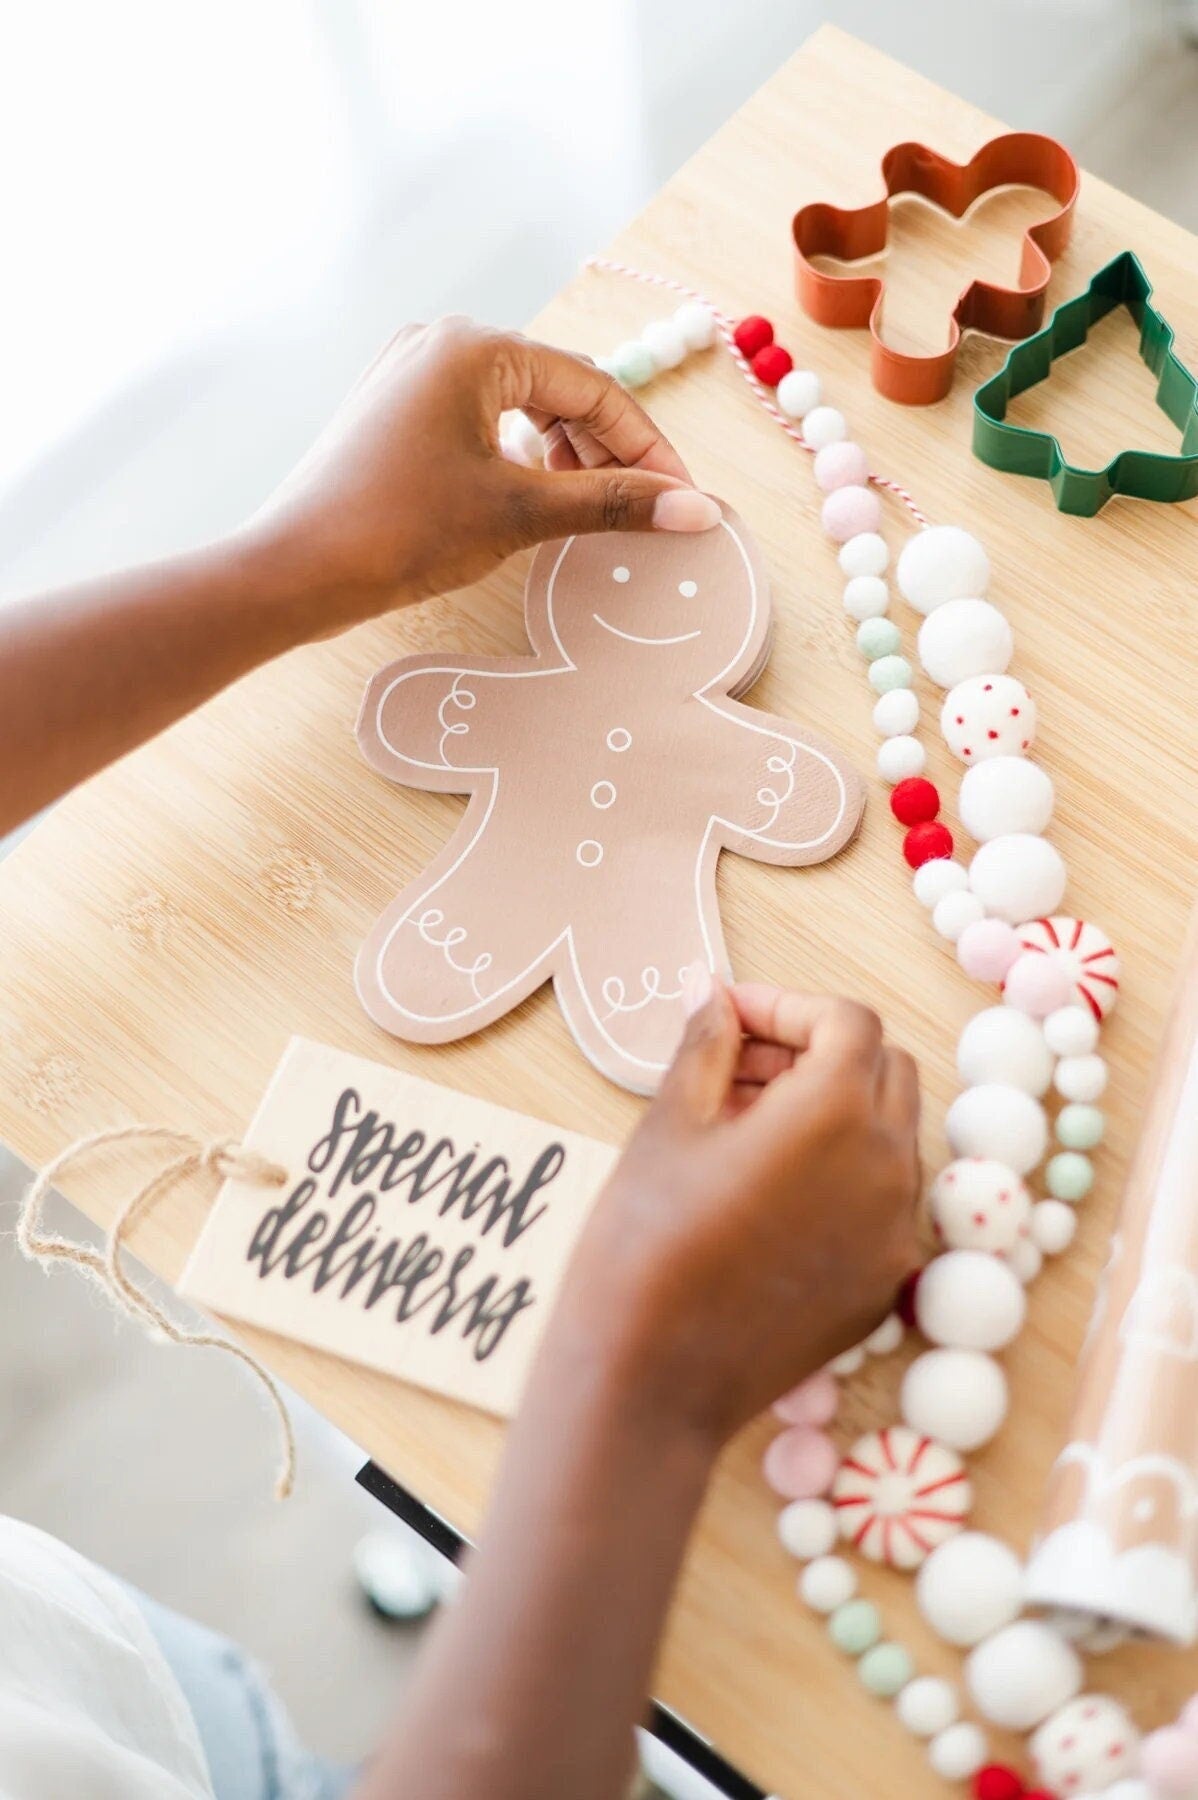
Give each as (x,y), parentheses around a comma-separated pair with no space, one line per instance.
(865,554)
(928,1705)
(942,563)
(968,1300)
(886,1337)
(1080,1078)
(665,343)
(899,757)
(1085,1746)
(933,880)
(1022,1674)
(964,638)
(697,324)
(979,1204)
(1026,1259)
(998,1121)
(848,1362)
(520,441)
(1053,1226)
(988,715)
(1000,1044)
(1005,794)
(954,912)
(866,597)
(896,714)
(970,1588)
(1018,877)
(824,425)
(958,1753)
(798,393)
(1071,1031)
(958,1397)
(808,1528)
(827,1583)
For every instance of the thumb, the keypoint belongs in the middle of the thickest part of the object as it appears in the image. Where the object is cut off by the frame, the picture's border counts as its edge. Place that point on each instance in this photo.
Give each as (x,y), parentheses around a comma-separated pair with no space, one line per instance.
(614,498)
(697,1084)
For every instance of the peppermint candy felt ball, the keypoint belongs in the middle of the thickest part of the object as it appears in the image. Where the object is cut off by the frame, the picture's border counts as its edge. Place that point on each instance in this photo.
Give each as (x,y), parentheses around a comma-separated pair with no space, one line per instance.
(1022,1674)
(1004,794)
(898,1494)
(988,715)
(1018,877)
(958,1397)
(1082,953)
(1001,1044)
(964,638)
(977,1203)
(942,563)
(970,1588)
(969,1300)
(999,1121)
(1086,1745)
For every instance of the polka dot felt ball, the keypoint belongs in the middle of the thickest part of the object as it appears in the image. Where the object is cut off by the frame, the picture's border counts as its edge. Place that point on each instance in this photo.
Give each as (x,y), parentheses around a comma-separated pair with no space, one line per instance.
(771,364)
(923,843)
(915,801)
(752,335)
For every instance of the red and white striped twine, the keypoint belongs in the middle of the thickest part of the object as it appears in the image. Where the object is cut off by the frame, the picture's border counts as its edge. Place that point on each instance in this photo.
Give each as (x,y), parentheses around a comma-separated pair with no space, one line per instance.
(726,327)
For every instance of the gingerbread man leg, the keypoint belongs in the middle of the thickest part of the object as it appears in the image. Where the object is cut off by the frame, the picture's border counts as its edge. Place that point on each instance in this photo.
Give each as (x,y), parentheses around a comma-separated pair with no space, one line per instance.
(462,945)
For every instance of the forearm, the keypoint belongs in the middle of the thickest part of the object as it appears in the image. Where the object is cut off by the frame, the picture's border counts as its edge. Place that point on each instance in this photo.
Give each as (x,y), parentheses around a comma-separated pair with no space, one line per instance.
(538,1672)
(88,673)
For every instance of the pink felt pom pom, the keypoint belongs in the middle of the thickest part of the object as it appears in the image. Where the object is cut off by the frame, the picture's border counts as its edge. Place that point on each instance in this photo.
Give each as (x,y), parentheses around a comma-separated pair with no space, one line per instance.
(844,464)
(1187,1718)
(848,511)
(987,948)
(1036,985)
(801,1463)
(813,1402)
(1169,1763)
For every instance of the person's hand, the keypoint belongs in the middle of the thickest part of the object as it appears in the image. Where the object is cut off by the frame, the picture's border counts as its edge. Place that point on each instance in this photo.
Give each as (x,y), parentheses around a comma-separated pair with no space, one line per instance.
(408,494)
(763,1214)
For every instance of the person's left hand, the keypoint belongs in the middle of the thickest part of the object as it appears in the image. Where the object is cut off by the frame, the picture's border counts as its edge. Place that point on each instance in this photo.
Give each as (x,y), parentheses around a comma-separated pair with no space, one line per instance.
(407,493)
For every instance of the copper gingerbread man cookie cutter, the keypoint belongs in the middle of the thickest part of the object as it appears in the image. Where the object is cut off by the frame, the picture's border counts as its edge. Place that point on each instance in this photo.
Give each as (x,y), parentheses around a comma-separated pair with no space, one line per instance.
(1015,159)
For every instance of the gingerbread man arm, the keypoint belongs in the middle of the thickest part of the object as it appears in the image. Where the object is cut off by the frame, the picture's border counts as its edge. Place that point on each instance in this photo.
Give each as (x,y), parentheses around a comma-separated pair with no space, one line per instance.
(431,722)
(785,794)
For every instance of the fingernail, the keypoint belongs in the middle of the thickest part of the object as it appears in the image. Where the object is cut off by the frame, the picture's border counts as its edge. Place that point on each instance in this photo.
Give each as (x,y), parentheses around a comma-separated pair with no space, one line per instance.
(696,988)
(685,509)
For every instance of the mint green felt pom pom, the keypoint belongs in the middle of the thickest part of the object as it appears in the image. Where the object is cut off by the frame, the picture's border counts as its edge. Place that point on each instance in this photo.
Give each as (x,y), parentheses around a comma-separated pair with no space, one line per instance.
(855,1627)
(1069,1176)
(878,637)
(1080,1127)
(885,1669)
(633,364)
(890,672)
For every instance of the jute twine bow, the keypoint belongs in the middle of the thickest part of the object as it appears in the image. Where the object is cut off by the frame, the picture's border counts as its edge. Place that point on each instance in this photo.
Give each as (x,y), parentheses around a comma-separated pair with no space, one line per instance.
(222,1157)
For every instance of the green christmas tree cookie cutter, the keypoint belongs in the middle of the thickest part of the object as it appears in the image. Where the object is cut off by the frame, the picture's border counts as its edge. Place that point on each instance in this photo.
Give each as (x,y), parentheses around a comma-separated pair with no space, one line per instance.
(1138,474)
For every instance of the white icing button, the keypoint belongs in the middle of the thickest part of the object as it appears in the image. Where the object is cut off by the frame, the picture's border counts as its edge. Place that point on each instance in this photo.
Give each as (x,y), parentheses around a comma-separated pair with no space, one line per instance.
(688,589)
(589,853)
(620,573)
(603,795)
(618,738)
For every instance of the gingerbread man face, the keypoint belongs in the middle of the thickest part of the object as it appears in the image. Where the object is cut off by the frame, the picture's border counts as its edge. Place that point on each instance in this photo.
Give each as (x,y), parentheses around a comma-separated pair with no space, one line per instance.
(606,772)
(634,601)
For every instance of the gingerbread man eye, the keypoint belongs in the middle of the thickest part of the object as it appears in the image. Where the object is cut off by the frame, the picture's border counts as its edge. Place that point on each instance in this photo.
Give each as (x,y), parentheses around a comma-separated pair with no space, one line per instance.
(688,589)
(620,573)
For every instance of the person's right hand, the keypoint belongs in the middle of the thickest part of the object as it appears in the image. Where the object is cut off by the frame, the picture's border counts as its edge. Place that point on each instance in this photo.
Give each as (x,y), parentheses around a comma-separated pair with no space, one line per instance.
(763,1214)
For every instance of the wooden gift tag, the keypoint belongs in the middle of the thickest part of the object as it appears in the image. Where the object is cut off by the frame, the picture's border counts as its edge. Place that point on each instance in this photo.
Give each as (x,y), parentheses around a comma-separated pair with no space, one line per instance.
(420,1231)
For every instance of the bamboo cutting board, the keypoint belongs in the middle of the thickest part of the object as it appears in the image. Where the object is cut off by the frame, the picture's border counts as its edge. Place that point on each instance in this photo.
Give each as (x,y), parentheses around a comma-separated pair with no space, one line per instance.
(171,925)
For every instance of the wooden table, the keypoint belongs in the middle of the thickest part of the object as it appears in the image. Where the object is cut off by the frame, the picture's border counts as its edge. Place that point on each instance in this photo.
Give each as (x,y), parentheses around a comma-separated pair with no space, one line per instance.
(167,927)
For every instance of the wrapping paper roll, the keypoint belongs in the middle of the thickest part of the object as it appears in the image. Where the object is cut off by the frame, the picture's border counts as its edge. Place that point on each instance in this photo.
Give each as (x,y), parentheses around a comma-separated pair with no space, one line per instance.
(1119,1533)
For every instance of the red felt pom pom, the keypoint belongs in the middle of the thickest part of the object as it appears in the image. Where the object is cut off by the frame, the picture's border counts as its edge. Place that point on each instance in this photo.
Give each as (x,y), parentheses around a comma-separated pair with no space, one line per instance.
(1039,1794)
(771,364)
(914,801)
(904,1300)
(997,1782)
(924,843)
(752,335)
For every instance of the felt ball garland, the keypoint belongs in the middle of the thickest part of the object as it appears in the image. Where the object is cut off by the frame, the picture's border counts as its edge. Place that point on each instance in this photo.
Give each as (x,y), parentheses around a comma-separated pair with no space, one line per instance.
(1055,978)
